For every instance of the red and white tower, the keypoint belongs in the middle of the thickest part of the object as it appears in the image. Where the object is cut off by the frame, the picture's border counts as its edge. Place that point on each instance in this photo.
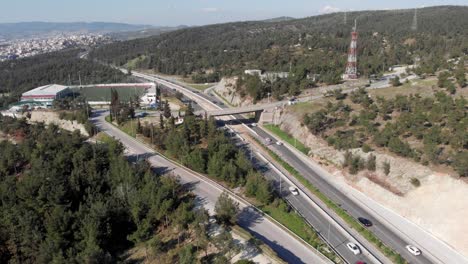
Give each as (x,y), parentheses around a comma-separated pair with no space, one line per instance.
(351,67)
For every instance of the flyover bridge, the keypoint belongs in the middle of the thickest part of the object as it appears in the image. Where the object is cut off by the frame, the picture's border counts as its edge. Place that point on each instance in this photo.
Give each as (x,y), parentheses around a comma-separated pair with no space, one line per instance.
(258,109)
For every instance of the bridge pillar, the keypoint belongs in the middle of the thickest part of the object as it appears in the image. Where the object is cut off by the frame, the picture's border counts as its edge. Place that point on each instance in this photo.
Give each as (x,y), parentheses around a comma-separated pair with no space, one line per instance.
(258,115)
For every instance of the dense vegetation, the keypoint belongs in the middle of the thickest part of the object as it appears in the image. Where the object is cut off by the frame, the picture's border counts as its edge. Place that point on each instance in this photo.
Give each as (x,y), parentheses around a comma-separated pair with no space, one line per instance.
(62,67)
(423,128)
(314,45)
(199,145)
(66,201)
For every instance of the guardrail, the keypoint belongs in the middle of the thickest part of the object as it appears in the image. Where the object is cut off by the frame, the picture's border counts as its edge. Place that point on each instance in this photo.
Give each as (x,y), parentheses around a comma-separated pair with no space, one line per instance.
(232,194)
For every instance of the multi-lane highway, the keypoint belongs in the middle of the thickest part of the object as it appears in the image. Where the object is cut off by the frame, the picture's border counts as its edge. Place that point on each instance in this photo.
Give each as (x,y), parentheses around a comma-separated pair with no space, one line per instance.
(335,233)
(331,232)
(287,246)
(394,239)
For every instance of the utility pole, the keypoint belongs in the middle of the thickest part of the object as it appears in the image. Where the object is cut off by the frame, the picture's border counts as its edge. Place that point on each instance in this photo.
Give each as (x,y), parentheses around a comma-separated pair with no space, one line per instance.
(79,77)
(280,189)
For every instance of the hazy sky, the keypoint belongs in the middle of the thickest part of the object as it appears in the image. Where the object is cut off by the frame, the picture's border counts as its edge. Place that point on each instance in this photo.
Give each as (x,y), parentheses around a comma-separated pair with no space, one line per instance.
(188,12)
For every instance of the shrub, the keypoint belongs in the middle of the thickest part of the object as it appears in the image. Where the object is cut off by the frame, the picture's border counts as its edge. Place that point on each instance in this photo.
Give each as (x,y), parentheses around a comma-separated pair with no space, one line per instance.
(415,182)
(370,164)
(386,167)
(366,148)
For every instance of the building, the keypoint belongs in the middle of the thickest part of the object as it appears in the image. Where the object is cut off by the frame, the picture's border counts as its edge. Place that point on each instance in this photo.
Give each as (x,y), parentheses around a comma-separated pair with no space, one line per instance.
(46,94)
(267,76)
(253,72)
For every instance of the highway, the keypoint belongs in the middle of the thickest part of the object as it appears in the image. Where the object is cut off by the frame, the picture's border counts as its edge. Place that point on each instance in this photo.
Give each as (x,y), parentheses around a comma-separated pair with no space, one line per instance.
(380,230)
(287,246)
(395,240)
(335,233)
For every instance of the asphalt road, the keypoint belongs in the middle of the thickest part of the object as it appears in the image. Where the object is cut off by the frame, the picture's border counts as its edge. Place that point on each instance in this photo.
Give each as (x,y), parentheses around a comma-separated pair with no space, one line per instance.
(307,209)
(304,205)
(287,246)
(380,230)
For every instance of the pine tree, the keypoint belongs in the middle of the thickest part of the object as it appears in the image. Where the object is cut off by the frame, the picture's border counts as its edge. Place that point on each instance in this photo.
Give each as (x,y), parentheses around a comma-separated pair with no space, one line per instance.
(161,122)
(167,110)
(190,111)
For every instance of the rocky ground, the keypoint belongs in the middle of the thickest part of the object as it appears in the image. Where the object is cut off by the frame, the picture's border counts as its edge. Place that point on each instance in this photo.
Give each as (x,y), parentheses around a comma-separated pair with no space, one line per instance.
(226,88)
(49,117)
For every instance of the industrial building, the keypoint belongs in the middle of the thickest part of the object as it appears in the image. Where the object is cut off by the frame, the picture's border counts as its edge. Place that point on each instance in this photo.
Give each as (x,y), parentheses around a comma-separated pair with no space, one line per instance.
(46,94)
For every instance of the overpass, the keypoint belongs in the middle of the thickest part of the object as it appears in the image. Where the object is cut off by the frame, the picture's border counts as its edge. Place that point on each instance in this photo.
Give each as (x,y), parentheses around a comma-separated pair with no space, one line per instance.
(257,109)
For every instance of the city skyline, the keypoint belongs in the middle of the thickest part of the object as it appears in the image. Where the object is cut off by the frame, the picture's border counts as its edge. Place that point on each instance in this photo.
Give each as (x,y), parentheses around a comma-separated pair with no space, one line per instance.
(192,13)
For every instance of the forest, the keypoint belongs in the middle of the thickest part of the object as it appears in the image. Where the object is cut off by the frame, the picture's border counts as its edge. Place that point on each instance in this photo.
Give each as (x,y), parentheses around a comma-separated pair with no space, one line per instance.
(313,45)
(66,200)
(61,67)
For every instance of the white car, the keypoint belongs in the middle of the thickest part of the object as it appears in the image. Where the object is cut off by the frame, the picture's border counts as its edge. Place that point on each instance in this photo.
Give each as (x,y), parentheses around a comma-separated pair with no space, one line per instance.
(279,143)
(413,250)
(354,248)
(268,140)
(294,190)
(253,124)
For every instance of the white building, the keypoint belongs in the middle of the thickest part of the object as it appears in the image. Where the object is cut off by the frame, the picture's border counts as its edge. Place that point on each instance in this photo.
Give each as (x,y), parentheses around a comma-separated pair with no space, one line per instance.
(46,94)
(253,72)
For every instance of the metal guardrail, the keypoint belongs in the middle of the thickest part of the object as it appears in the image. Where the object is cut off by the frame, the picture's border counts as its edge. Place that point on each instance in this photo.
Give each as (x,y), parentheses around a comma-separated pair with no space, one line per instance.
(232,194)
(317,232)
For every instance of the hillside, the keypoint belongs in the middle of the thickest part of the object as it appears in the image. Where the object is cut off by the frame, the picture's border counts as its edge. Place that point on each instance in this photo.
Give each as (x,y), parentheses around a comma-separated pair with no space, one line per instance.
(142,33)
(315,44)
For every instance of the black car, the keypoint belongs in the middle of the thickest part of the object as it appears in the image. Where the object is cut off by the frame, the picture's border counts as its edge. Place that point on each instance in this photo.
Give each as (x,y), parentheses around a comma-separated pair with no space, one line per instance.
(364,221)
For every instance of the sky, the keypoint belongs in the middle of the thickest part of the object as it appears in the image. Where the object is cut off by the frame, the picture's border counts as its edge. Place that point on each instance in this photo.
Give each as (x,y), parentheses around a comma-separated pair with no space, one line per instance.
(188,12)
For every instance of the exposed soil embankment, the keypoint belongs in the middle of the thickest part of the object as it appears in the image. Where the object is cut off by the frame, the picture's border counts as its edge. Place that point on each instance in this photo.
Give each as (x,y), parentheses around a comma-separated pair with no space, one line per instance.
(438,205)
(226,88)
(50,117)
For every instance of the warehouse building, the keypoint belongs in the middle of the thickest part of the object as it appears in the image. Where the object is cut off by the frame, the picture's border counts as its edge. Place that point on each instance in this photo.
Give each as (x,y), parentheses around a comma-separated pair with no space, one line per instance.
(46,94)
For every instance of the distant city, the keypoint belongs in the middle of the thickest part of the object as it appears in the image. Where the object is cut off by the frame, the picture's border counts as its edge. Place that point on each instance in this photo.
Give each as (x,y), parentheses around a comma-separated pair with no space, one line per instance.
(20,48)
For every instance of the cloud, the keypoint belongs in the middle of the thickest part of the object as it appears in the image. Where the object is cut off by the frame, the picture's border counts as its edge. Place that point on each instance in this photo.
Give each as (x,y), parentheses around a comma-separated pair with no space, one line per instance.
(329,9)
(210,9)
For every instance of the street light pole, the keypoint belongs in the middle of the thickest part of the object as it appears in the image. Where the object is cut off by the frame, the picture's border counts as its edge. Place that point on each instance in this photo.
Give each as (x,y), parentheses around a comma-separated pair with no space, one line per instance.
(280,189)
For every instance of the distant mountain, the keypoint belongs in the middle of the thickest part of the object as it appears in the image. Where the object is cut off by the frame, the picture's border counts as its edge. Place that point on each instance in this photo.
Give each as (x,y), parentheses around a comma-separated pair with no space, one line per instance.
(143,33)
(279,19)
(34,29)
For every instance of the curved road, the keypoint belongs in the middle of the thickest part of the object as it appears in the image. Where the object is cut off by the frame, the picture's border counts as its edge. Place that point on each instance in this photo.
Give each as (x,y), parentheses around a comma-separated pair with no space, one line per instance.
(390,237)
(287,246)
